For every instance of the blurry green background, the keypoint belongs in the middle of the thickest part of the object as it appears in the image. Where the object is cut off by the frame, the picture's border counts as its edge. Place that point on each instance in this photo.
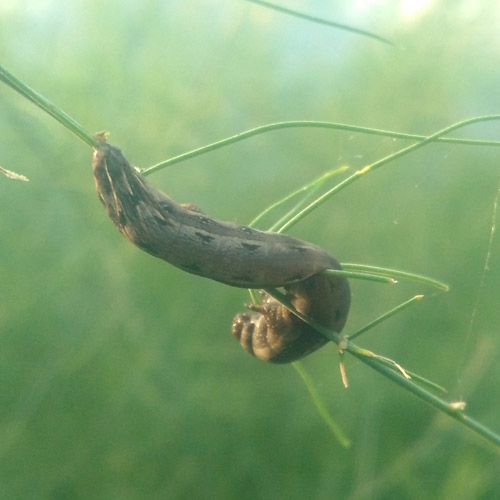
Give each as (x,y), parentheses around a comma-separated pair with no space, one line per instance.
(119,377)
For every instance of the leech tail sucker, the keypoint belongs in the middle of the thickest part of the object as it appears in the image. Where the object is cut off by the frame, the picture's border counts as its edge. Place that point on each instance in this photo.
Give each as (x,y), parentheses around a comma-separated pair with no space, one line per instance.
(274,334)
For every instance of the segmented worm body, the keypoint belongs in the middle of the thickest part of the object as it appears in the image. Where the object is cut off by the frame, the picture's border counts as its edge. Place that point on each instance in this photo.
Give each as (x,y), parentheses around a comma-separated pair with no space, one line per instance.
(274,334)
(230,253)
(191,240)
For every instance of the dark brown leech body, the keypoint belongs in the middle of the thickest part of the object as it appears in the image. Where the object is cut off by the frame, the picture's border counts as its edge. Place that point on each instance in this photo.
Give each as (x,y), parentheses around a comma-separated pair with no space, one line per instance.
(277,335)
(232,254)
(183,236)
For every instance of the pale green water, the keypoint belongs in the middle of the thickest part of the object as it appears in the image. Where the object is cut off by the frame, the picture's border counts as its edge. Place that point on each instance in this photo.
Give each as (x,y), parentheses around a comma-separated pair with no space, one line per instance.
(119,378)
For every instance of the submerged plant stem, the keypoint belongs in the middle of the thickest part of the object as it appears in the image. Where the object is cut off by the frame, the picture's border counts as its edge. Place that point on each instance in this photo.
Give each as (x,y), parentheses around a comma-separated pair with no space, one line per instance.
(43,103)
(396,273)
(320,20)
(390,158)
(394,373)
(320,405)
(385,316)
(313,124)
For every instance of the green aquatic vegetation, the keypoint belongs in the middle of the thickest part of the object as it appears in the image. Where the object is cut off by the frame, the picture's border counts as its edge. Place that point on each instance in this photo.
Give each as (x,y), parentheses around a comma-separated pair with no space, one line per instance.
(389,368)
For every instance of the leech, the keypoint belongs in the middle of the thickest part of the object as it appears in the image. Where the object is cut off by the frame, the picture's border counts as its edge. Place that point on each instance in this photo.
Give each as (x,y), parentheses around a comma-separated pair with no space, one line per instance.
(236,255)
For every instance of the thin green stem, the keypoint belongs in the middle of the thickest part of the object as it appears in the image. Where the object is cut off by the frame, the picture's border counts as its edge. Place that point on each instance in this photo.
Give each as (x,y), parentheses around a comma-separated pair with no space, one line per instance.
(360,276)
(304,190)
(396,273)
(392,365)
(319,20)
(385,316)
(384,275)
(423,381)
(308,124)
(320,405)
(308,191)
(402,152)
(68,122)
(43,103)
(449,408)
(394,372)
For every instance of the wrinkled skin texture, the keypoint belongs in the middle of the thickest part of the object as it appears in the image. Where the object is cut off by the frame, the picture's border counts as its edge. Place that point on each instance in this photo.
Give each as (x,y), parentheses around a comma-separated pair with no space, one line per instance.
(236,255)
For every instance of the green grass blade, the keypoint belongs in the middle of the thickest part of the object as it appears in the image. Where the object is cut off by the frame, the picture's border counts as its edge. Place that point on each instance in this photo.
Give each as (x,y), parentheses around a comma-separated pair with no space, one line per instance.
(360,276)
(320,406)
(305,190)
(386,315)
(320,20)
(43,103)
(396,273)
(387,368)
(390,158)
(450,409)
(308,124)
